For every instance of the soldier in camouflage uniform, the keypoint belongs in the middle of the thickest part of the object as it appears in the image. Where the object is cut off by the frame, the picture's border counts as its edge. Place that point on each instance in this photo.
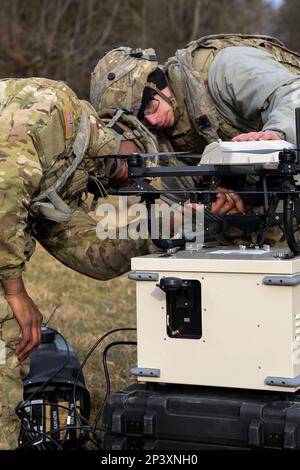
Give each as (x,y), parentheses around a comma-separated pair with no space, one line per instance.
(228,86)
(52,147)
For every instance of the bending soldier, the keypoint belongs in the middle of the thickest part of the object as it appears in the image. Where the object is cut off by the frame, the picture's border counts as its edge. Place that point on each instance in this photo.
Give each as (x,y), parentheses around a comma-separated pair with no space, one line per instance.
(227,86)
(52,148)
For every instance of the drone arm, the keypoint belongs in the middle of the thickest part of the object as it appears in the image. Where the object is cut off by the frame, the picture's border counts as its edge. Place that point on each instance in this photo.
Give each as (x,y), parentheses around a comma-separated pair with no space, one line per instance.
(289,229)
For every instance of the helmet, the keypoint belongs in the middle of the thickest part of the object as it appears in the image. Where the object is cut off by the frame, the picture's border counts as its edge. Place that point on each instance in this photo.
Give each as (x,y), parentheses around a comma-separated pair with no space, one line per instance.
(120,77)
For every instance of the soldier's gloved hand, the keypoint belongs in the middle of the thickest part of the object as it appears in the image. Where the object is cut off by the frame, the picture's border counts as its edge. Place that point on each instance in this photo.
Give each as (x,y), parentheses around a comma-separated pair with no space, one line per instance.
(263,135)
(227,203)
(27,314)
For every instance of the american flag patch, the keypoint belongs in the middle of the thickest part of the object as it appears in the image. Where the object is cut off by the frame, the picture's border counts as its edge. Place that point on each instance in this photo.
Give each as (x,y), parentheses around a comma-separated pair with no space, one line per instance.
(68,115)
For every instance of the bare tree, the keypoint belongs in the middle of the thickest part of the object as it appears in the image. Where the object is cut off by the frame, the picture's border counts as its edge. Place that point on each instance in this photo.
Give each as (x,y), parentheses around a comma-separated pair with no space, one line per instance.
(64,39)
(287,24)
(57,38)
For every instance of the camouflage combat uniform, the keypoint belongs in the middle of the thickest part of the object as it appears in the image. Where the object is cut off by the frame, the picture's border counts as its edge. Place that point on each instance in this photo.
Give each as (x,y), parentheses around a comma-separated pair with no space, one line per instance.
(244,84)
(40,129)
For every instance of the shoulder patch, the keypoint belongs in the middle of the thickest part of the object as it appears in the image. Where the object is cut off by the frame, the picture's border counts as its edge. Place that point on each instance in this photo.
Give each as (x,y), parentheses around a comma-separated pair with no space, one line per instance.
(68,117)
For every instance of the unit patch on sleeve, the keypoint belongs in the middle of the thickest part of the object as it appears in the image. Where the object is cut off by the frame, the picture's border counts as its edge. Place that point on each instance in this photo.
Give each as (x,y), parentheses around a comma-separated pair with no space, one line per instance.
(68,116)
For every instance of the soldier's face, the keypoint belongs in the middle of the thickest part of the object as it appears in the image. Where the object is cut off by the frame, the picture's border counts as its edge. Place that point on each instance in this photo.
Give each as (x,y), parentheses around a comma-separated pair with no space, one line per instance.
(163,116)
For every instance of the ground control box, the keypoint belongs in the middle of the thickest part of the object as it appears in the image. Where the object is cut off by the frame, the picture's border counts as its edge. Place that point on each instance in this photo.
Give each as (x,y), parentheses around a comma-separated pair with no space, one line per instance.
(222,317)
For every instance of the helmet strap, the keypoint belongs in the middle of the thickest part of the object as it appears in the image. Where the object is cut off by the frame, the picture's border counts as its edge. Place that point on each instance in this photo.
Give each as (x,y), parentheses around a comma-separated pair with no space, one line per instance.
(169,99)
(123,132)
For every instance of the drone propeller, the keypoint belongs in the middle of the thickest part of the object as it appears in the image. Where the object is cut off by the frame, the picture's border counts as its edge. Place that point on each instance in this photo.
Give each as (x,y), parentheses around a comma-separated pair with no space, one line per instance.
(159,154)
(259,151)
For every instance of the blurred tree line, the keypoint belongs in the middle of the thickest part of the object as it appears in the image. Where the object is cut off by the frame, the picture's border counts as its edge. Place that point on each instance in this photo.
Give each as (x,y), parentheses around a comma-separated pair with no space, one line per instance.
(64,39)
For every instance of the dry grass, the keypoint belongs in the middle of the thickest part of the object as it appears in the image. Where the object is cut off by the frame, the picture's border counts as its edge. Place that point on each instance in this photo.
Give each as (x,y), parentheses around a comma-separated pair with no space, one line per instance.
(86,310)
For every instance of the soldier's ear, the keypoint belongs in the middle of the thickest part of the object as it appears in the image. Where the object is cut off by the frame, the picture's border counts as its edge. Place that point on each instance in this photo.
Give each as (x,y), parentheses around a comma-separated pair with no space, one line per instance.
(127,147)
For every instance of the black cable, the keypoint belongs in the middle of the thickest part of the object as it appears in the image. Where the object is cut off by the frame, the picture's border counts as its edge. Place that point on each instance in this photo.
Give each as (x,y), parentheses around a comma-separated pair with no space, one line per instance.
(35,435)
(90,352)
(106,372)
(35,431)
(289,233)
(48,434)
(52,315)
(86,358)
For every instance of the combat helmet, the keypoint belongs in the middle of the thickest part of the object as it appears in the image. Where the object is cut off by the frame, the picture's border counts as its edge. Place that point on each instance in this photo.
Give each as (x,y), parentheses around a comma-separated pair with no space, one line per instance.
(120,77)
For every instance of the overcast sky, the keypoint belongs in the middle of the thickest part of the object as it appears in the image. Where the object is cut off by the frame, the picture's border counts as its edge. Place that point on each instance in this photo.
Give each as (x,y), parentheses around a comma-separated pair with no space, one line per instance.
(277,3)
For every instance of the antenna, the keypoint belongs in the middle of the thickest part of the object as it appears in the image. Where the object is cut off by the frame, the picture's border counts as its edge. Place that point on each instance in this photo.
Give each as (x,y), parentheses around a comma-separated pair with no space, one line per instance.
(297,115)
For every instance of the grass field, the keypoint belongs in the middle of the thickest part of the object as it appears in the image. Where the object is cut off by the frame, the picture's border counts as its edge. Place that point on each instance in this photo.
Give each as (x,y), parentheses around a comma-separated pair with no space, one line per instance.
(86,309)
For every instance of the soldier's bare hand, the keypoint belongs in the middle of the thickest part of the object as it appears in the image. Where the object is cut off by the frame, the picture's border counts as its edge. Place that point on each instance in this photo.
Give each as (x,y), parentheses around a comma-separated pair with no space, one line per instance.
(184,214)
(127,147)
(27,314)
(120,175)
(249,136)
(227,203)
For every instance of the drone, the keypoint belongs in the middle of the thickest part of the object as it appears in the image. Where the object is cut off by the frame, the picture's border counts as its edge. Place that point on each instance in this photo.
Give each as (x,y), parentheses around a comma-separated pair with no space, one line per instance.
(263,173)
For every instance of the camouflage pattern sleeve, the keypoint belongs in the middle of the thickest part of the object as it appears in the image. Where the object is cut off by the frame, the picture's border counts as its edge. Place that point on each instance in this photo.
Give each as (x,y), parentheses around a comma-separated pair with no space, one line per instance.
(20,173)
(103,140)
(26,106)
(77,245)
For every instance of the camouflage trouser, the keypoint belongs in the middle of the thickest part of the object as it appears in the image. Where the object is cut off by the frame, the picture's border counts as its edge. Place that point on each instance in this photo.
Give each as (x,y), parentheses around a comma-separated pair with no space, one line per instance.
(11,373)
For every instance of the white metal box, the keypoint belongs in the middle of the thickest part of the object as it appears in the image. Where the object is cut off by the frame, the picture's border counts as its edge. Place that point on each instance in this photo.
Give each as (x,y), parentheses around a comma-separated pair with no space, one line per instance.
(249,313)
